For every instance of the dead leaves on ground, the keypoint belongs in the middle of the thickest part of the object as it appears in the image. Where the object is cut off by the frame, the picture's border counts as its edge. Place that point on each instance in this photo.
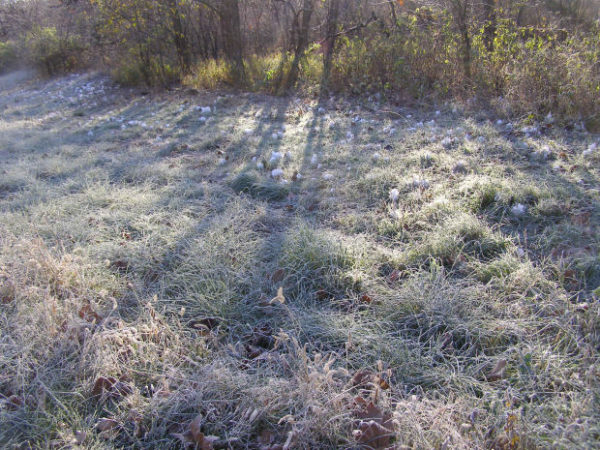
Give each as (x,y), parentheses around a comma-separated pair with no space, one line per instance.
(87,313)
(278,276)
(205,325)
(193,437)
(367,379)
(106,388)
(258,343)
(498,372)
(373,427)
(365,298)
(7,291)
(108,429)
(279,298)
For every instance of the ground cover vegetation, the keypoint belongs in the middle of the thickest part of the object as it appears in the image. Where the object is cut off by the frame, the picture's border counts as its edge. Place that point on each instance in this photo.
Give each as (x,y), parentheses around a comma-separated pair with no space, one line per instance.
(299,224)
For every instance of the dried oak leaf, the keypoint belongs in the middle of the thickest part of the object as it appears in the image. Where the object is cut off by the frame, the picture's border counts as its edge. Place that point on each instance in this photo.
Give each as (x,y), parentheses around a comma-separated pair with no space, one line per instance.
(393,276)
(108,428)
(205,325)
(88,314)
(110,387)
(106,424)
(498,372)
(194,437)
(372,434)
(322,294)
(278,276)
(366,378)
(362,378)
(374,428)
(365,298)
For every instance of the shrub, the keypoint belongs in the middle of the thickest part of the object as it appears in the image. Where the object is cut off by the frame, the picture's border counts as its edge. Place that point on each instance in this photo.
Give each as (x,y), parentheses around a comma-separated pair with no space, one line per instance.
(52,53)
(133,71)
(8,56)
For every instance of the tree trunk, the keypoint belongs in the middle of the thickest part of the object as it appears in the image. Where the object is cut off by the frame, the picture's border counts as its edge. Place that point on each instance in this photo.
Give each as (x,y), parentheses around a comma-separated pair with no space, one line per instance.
(180,37)
(229,13)
(301,43)
(329,44)
(460,11)
(489,33)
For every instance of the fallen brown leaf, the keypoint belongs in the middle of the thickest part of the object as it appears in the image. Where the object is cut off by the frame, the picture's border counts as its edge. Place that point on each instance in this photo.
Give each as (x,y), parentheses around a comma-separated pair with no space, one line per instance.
(322,294)
(372,434)
(106,424)
(393,276)
(88,314)
(374,428)
(110,387)
(205,325)
(498,372)
(365,298)
(194,437)
(362,378)
(278,276)
(279,298)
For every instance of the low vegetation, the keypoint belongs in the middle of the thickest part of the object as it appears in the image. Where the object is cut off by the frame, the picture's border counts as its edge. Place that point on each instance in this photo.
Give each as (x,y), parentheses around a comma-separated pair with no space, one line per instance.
(219,271)
(520,59)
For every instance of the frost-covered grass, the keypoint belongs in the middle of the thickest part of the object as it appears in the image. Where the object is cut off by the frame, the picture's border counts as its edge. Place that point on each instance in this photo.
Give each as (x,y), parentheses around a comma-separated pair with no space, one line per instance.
(253,271)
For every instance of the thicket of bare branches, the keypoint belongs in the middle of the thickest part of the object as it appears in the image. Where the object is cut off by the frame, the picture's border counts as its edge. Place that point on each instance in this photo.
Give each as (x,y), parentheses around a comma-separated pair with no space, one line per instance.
(411,49)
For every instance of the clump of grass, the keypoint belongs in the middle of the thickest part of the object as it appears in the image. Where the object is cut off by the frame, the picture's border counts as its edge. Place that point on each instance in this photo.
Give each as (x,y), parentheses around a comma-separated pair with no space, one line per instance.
(484,197)
(458,237)
(259,187)
(498,268)
(320,261)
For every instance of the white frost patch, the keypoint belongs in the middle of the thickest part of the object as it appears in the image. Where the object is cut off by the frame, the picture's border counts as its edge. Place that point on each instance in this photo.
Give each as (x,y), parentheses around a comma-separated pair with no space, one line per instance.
(519,209)
(275,157)
(460,167)
(420,183)
(590,150)
(277,173)
(447,142)
(394,195)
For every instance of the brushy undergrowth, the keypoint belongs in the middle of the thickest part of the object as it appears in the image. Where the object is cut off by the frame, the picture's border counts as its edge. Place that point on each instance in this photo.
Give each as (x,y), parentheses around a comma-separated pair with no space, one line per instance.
(257,272)
(527,73)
